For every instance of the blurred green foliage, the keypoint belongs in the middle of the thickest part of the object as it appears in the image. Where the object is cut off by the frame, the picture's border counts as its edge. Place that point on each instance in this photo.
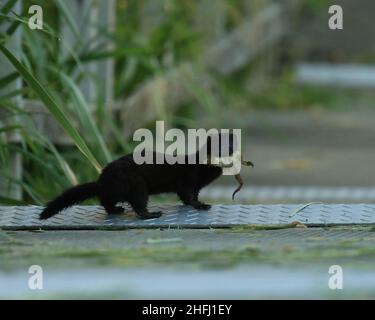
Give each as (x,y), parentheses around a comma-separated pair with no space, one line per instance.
(151,51)
(314,5)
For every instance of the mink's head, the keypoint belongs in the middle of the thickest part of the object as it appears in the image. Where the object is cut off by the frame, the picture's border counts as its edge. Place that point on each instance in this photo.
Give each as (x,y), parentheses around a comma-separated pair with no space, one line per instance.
(222,145)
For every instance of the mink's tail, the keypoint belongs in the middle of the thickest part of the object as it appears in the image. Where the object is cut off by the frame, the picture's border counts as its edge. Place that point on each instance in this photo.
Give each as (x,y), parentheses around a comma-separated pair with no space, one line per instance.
(68,198)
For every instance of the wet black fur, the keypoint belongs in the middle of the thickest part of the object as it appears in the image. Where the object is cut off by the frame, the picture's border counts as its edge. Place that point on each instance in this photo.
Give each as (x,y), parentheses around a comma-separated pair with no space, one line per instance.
(125,181)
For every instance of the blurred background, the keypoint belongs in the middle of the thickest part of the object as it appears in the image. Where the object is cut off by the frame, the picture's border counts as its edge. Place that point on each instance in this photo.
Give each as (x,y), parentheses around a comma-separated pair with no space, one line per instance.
(72,94)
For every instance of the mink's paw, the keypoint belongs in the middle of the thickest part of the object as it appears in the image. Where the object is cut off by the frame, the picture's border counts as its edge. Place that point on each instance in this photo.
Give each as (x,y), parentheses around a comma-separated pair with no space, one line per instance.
(202,206)
(151,215)
(115,210)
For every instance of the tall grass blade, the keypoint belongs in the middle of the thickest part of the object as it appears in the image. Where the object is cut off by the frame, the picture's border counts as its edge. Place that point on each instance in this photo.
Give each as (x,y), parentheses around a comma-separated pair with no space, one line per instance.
(85,115)
(52,106)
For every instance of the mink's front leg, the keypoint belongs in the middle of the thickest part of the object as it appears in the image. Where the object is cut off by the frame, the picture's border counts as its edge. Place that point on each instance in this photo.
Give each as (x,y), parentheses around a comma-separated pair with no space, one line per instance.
(139,205)
(189,196)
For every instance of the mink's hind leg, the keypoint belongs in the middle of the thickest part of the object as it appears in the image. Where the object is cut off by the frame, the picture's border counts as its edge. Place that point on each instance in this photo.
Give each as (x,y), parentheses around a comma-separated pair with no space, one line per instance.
(110,207)
(139,198)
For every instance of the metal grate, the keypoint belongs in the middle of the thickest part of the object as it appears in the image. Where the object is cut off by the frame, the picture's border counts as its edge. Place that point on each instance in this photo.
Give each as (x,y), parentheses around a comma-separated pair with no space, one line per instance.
(94,217)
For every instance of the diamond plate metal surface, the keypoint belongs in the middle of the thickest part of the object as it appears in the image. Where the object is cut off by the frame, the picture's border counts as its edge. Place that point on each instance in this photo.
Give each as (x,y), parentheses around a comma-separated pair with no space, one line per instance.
(94,217)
